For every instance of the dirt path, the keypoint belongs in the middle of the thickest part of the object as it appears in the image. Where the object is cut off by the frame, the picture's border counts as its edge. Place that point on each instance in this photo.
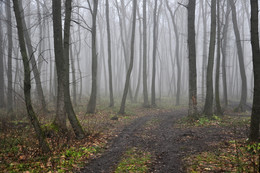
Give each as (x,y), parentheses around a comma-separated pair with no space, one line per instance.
(158,135)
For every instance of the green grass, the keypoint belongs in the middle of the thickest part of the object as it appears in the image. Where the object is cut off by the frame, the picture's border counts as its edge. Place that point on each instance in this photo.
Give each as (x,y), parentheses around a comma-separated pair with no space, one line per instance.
(234,156)
(134,160)
(225,120)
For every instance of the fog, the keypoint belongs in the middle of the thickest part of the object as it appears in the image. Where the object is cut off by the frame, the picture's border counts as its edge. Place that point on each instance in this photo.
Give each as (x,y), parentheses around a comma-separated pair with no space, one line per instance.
(39,20)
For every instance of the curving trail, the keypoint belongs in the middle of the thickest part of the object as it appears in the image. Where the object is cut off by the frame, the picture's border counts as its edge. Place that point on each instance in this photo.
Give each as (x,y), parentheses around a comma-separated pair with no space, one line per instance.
(158,135)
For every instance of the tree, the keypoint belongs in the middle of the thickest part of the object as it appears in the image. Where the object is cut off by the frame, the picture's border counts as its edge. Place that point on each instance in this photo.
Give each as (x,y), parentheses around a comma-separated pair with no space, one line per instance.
(224,54)
(122,107)
(111,104)
(27,81)
(35,70)
(208,107)
(9,62)
(60,118)
(243,98)
(145,92)
(192,59)
(217,100)
(62,66)
(155,39)
(68,105)
(255,116)
(2,84)
(91,108)
(176,52)
(205,40)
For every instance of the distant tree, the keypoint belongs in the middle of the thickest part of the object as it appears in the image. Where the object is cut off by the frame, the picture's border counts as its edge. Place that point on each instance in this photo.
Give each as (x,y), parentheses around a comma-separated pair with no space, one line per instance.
(125,37)
(175,27)
(33,62)
(156,12)
(122,107)
(140,57)
(192,59)
(111,95)
(205,43)
(9,60)
(255,116)
(208,107)
(217,99)
(145,92)
(243,98)
(27,81)
(224,54)
(2,83)
(91,108)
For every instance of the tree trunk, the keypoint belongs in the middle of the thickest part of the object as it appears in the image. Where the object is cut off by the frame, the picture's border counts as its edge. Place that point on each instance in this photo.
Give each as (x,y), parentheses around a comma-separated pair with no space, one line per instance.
(224,55)
(78,48)
(145,91)
(68,105)
(217,100)
(140,58)
(243,98)
(155,35)
(124,40)
(74,82)
(192,59)
(255,116)
(122,107)
(33,63)
(208,108)
(2,84)
(91,108)
(176,53)
(204,60)
(111,95)
(9,62)
(27,81)
(60,119)
(41,41)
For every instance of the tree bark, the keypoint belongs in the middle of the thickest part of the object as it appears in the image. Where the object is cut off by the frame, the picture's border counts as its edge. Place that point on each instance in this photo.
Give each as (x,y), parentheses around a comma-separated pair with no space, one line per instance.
(74,82)
(68,105)
(60,119)
(176,53)
(27,81)
(9,62)
(192,59)
(155,35)
(111,95)
(122,107)
(224,55)
(2,84)
(208,108)
(145,91)
(217,100)
(204,56)
(255,116)
(140,58)
(91,108)
(33,62)
(243,98)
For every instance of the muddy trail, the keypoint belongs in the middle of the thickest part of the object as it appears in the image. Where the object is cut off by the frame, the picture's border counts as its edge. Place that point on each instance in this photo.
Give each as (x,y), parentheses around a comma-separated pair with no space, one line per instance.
(168,143)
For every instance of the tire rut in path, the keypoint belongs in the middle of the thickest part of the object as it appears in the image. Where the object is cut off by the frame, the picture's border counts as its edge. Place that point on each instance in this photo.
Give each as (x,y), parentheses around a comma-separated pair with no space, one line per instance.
(168,144)
(112,156)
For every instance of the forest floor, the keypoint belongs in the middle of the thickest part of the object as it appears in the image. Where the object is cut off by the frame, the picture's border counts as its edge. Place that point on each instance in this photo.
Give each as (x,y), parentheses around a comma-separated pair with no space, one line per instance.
(161,139)
(170,141)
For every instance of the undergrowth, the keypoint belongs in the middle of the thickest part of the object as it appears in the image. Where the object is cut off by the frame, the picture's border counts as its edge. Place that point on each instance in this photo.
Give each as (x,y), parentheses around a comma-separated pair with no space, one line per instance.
(134,160)
(231,156)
